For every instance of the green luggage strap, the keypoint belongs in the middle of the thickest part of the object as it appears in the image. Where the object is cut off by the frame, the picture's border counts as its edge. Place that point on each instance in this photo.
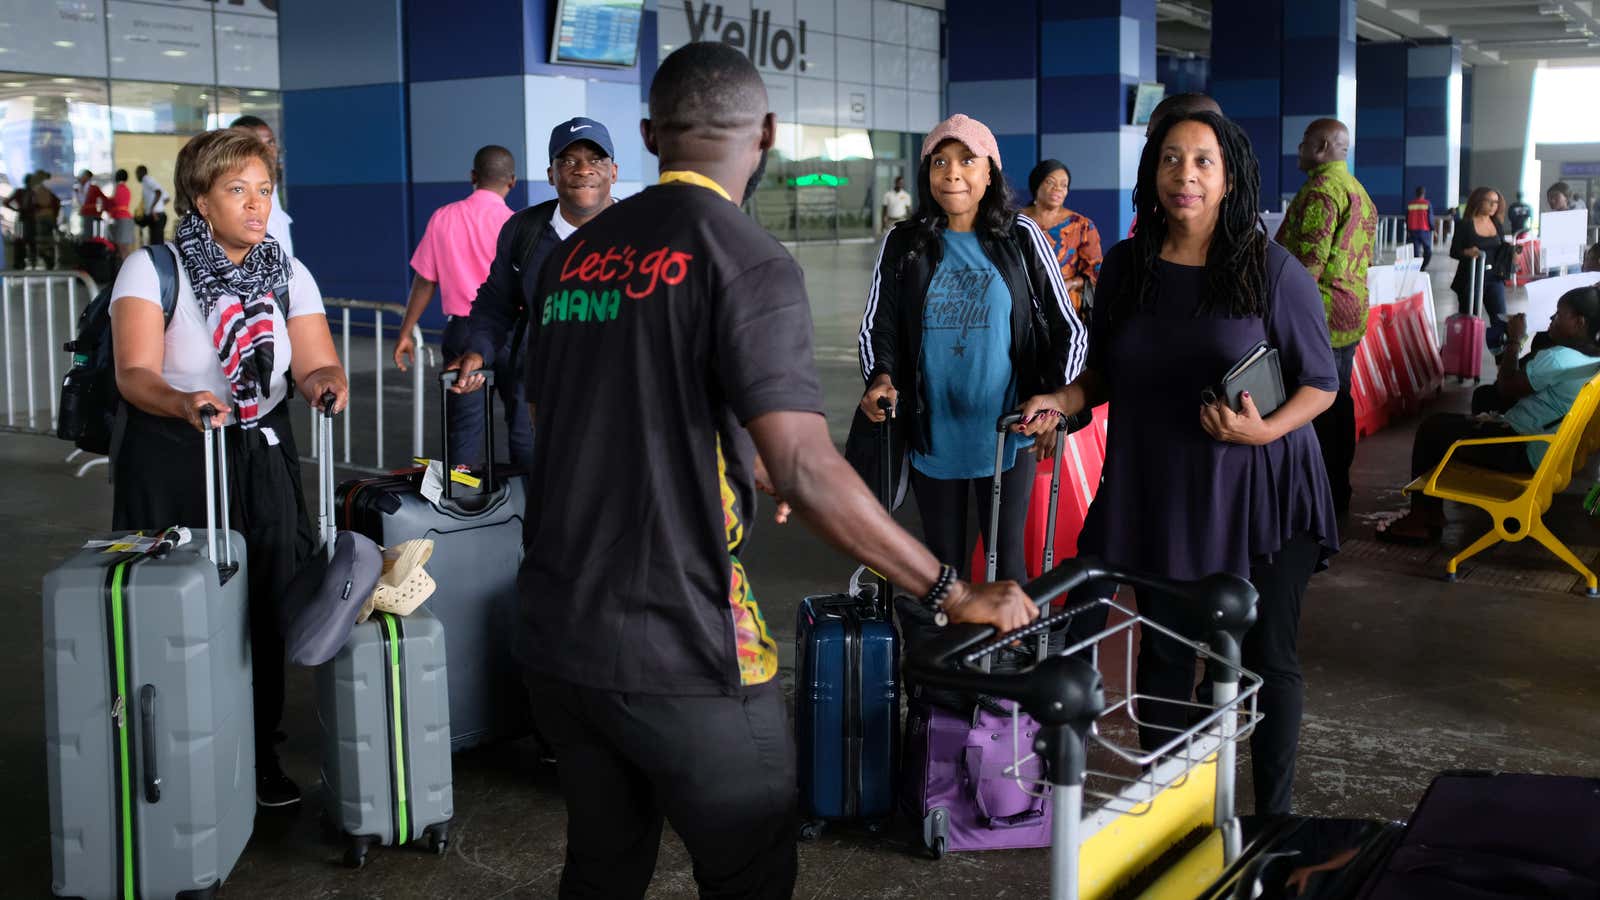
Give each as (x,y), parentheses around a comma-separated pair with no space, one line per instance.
(390,630)
(121,690)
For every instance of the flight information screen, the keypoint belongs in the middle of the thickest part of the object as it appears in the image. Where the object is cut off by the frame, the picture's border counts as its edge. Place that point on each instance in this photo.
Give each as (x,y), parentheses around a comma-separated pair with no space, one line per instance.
(597,32)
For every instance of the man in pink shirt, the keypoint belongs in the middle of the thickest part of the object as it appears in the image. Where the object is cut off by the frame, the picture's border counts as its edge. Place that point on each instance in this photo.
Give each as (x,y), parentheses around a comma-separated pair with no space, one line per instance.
(456,250)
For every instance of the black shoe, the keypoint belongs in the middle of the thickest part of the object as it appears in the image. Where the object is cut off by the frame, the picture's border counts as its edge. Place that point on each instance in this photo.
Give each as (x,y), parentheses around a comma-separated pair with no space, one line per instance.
(273,788)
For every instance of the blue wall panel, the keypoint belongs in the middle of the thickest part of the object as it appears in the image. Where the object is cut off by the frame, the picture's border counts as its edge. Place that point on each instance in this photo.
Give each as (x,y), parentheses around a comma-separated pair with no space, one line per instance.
(339,44)
(370,267)
(996,40)
(361,130)
(448,39)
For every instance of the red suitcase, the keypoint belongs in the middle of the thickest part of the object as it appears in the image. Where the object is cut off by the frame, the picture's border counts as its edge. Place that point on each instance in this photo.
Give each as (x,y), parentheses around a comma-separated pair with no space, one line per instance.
(1463,333)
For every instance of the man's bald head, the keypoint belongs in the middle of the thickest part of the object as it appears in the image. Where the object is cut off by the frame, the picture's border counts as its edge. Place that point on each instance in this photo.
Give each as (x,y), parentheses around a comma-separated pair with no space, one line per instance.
(709,114)
(1180,105)
(493,167)
(707,86)
(1325,141)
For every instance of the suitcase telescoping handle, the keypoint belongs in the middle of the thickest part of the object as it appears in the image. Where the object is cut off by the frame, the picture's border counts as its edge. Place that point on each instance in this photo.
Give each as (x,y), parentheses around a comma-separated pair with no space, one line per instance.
(327,523)
(447,380)
(1480,275)
(886,488)
(216,461)
(147,740)
(1002,427)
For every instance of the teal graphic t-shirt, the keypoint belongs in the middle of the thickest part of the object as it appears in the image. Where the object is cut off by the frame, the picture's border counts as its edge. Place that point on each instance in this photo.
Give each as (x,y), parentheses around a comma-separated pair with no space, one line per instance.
(966,363)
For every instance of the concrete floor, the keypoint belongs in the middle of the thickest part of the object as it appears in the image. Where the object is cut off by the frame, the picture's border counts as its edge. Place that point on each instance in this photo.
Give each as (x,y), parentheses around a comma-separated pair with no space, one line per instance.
(1405,675)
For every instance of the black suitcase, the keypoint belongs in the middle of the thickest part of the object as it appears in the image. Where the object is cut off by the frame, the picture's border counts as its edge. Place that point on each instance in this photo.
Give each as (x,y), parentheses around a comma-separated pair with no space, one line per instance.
(1489,836)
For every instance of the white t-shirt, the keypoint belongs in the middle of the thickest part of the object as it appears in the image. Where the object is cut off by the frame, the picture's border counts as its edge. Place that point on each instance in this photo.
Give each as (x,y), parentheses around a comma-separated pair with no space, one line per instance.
(564,229)
(190,362)
(278,222)
(898,202)
(151,188)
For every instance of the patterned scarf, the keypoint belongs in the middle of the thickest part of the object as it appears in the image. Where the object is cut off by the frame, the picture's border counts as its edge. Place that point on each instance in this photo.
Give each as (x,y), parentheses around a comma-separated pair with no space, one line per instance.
(237,303)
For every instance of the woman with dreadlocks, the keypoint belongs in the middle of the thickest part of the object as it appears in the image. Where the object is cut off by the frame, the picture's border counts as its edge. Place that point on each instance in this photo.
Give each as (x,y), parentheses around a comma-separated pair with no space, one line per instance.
(1192,488)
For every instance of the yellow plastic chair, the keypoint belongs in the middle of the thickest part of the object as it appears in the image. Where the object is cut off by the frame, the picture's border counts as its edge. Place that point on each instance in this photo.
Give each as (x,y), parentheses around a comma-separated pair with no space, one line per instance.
(1517,503)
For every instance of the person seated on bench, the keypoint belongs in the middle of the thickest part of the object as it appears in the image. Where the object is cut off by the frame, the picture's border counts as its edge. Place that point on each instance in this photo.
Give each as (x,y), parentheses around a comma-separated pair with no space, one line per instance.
(1535,398)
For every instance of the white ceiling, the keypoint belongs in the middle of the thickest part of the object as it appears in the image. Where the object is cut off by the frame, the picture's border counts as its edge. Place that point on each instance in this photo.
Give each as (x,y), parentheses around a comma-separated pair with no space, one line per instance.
(1491,32)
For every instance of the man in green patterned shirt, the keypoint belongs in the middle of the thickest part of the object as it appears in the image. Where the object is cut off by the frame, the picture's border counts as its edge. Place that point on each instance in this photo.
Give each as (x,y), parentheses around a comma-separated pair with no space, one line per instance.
(1329,228)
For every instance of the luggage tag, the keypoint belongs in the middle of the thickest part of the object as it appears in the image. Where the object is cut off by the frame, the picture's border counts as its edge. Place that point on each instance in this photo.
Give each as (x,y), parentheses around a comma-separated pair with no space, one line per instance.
(460,474)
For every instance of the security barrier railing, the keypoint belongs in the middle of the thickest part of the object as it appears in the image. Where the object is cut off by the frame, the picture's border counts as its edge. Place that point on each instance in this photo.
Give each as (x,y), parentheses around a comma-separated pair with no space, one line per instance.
(379,323)
(38,313)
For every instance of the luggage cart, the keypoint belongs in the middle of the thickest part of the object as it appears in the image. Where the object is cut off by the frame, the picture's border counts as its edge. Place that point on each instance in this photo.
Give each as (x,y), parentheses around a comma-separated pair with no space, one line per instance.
(1141,802)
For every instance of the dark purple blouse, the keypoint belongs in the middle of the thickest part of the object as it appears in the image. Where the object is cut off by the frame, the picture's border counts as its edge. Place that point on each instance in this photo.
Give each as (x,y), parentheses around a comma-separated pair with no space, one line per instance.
(1174,501)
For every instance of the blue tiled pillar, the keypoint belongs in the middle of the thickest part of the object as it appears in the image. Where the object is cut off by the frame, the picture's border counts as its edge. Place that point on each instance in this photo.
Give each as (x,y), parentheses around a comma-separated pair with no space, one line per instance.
(1380,150)
(1276,65)
(1463,182)
(994,76)
(1246,78)
(1092,54)
(1319,75)
(1433,120)
(1052,79)
(345,143)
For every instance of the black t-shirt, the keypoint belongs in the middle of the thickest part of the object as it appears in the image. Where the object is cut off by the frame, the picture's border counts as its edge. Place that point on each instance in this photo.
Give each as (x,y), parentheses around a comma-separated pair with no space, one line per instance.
(657,330)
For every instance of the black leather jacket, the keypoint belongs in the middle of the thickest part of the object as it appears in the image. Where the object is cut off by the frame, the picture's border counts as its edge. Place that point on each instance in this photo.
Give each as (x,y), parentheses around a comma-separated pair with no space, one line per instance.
(1049,343)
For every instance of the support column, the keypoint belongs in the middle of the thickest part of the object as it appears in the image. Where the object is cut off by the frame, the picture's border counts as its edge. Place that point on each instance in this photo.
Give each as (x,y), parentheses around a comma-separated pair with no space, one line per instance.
(1381,118)
(344,136)
(1502,100)
(1277,65)
(1093,54)
(1433,120)
(994,77)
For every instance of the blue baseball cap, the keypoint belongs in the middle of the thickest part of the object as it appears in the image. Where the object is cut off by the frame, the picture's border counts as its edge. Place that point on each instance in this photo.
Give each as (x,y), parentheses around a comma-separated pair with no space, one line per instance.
(580,129)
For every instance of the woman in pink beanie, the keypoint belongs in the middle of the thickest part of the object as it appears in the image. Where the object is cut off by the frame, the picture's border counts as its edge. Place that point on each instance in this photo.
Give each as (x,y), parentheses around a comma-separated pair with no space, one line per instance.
(967,316)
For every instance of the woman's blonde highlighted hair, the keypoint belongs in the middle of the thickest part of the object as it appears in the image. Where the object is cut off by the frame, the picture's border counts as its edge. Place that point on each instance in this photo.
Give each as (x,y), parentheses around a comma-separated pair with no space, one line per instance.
(213,155)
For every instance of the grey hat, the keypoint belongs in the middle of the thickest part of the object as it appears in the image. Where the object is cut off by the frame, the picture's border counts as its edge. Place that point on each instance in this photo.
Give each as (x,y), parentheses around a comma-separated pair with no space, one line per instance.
(322,601)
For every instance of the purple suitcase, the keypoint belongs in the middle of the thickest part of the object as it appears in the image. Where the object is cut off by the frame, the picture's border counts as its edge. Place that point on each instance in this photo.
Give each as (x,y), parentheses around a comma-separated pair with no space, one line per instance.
(958,788)
(1464,333)
(956,782)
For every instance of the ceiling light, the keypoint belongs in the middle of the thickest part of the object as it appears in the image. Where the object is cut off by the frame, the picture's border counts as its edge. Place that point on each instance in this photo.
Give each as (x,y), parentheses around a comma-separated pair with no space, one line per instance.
(174,53)
(1549,9)
(119,59)
(5,49)
(64,80)
(65,45)
(16,84)
(1576,28)
(256,93)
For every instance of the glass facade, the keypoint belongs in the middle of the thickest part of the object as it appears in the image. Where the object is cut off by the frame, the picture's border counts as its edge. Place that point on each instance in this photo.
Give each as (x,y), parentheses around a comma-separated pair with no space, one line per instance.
(108,84)
(855,85)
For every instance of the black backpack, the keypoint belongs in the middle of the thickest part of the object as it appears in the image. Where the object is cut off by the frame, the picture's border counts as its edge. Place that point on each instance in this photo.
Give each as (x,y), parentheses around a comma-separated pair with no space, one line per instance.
(89,397)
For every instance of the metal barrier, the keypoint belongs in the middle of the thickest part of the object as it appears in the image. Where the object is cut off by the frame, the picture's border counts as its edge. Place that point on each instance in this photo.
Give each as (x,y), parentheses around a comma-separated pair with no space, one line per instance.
(31,302)
(380,362)
(1388,233)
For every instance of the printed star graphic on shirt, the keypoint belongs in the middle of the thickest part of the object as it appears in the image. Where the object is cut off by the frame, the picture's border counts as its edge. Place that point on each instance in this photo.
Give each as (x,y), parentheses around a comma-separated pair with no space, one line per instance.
(959,350)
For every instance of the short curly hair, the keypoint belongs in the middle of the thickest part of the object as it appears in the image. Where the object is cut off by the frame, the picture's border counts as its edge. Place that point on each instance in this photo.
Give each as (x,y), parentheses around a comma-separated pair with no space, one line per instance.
(211,155)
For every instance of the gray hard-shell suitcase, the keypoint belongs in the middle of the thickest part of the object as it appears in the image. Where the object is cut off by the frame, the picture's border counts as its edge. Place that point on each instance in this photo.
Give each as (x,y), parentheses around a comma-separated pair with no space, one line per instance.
(383,704)
(149,724)
(384,707)
(477,550)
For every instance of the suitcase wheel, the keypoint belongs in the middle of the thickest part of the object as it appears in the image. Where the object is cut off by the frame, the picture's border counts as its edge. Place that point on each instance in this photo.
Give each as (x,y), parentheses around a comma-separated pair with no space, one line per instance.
(810,831)
(438,839)
(935,832)
(355,850)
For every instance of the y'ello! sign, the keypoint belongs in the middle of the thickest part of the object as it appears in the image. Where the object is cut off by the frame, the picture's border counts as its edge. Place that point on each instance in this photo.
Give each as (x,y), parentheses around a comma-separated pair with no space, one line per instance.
(779,48)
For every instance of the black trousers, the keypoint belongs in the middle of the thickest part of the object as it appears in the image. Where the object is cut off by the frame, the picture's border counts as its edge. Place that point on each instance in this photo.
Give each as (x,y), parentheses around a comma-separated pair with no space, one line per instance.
(1438,431)
(720,768)
(465,412)
(943,505)
(1166,668)
(157,228)
(1336,431)
(158,480)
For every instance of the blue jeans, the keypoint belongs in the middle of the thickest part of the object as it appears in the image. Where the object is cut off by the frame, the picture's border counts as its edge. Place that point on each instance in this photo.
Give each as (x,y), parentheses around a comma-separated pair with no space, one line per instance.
(1422,242)
(465,413)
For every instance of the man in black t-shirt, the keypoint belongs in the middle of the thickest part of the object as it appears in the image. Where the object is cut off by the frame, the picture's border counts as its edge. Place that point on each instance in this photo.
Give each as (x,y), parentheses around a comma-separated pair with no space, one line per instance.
(666,334)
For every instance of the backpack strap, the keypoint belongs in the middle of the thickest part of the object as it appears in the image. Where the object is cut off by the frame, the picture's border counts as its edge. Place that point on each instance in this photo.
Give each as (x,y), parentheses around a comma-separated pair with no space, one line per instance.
(166,263)
(530,225)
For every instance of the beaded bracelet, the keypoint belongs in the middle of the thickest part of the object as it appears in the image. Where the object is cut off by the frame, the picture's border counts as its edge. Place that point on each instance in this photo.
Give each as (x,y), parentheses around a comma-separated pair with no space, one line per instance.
(939,593)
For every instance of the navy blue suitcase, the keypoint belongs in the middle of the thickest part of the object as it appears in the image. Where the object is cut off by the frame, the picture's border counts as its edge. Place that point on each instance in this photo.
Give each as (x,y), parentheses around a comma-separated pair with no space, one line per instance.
(847,709)
(847,703)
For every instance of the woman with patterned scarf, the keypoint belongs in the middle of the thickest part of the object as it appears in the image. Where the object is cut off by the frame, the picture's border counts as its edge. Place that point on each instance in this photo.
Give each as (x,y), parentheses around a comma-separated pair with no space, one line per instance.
(248,326)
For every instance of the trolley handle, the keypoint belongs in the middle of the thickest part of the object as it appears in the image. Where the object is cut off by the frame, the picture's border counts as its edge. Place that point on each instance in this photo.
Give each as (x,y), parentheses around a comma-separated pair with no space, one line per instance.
(1069,424)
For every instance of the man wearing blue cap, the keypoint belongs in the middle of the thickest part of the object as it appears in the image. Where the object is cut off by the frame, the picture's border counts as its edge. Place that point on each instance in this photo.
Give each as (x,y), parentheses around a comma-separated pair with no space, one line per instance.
(582,169)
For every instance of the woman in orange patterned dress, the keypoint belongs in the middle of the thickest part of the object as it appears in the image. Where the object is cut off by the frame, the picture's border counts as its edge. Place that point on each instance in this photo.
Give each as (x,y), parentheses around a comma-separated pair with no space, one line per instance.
(1076,240)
